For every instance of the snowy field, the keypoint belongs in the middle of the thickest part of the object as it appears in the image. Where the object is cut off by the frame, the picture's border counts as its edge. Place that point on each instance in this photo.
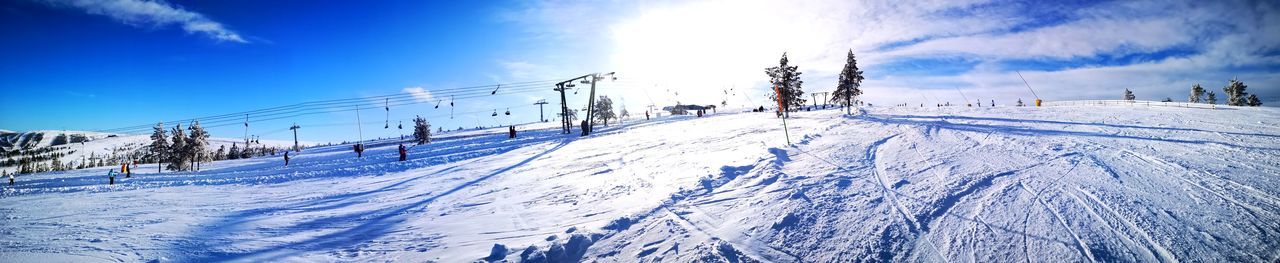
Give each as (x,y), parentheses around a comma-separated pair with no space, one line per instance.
(1005,184)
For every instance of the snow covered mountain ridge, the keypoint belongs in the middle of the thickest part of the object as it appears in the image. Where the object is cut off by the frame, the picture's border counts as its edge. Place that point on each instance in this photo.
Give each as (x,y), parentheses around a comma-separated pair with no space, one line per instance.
(938,184)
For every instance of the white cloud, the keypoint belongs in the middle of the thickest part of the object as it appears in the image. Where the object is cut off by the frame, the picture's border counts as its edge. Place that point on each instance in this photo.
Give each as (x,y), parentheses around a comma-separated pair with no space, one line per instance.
(698,48)
(155,13)
(419,94)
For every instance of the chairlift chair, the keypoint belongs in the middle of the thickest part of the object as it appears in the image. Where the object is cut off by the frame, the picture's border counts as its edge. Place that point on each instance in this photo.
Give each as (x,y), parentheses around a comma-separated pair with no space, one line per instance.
(508,111)
(495,113)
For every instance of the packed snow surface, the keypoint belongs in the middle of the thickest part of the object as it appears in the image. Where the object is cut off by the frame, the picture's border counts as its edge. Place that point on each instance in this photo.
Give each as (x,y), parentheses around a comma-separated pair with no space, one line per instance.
(952,184)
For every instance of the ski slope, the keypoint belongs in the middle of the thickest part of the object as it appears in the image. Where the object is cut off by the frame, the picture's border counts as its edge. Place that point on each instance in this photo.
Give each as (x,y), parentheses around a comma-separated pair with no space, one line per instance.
(954,184)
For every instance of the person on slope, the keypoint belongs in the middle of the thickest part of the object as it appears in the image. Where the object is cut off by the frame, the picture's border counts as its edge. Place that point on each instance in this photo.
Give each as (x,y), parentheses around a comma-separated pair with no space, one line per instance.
(403,152)
(359,147)
(286,158)
(124,169)
(111,175)
(646,115)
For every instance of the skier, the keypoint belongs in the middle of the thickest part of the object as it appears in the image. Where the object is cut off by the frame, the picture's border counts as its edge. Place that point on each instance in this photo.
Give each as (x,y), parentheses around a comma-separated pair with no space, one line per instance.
(359,150)
(10,179)
(124,169)
(585,128)
(511,132)
(646,115)
(403,152)
(111,174)
(286,158)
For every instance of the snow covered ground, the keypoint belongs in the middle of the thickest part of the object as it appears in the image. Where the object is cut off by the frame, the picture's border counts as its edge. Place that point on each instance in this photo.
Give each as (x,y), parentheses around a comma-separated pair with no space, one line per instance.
(1086,183)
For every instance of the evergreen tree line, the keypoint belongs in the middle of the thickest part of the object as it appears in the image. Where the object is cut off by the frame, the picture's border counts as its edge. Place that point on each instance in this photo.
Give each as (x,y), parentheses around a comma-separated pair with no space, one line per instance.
(1235,91)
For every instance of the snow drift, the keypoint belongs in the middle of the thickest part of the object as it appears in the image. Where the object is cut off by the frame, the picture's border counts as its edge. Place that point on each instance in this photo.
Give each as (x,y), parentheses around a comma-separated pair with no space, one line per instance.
(1116,183)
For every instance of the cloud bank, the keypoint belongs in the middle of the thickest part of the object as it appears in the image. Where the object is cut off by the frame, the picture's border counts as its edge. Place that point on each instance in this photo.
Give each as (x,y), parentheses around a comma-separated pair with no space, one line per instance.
(156,13)
(921,51)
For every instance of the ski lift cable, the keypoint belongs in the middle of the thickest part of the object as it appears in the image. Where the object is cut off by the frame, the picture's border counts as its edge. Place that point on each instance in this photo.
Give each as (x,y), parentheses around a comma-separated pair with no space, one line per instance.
(347,124)
(398,102)
(399,98)
(458,90)
(372,122)
(260,119)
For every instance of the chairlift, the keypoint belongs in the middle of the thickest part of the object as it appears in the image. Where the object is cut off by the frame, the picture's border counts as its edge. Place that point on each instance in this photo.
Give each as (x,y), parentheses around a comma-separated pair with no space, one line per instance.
(495,90)
(495,113)
(584,82)
(401,126)
(387,105)
(508,111)
(438,103)
(570,85)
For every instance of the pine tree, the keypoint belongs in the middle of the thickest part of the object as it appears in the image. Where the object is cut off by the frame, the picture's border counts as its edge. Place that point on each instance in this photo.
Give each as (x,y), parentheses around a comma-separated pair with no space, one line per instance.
(234,153)
(1236,95)
(198,142)
(1196,93)
(178,153)
(848,88)
(1254,101)
(603,110)
(1213,99)
(787,80)
(421,130)
(1128,95)
(221,154)
(159,143)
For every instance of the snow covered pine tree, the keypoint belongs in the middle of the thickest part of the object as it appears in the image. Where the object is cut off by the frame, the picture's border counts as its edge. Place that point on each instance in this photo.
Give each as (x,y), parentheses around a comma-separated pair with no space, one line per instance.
(198,142)
(849,85)
(421,130)
(1236,96)
(604,110)
(178,149)
(159,145)
(787,79)
(1196,93)
(1254,101)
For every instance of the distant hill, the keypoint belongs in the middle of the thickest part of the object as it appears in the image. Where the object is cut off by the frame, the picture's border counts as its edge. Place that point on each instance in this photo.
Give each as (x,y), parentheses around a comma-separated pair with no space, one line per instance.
(75,148)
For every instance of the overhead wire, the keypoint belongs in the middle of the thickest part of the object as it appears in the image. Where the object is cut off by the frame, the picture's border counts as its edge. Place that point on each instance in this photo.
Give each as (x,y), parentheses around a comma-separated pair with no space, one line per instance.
(349,102)
(316,107)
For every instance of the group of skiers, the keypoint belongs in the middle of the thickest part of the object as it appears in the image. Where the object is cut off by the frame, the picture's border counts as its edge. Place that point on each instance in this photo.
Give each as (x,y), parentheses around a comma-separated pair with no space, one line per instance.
(111,174)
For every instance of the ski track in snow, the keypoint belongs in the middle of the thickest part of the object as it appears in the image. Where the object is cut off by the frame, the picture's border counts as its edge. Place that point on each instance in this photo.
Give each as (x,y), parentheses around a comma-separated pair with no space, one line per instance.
(1124,183)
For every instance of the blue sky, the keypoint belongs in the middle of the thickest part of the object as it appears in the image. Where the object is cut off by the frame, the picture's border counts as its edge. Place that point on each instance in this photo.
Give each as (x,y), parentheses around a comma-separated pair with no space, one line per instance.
(100,64)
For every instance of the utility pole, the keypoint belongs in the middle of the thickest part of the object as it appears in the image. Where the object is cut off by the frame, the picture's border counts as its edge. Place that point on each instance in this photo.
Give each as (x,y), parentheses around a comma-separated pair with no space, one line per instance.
(564,108)
(540,103)
(824,98)
(295,136)
(591,104)
(246,130)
